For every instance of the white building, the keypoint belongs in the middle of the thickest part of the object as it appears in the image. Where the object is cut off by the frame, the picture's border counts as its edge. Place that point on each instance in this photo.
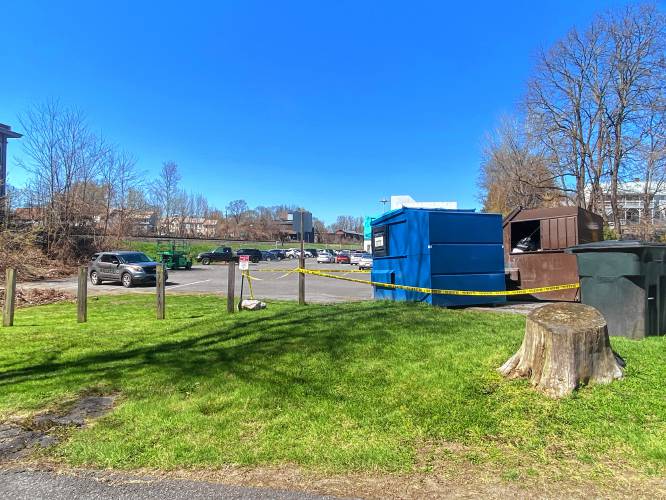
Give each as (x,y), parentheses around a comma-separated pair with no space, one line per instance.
(406,201)
(632,210)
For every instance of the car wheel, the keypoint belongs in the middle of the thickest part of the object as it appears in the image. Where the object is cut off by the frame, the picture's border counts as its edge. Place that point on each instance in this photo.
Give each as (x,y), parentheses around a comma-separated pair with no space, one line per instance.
(205,261)
(94,278)
(126,280)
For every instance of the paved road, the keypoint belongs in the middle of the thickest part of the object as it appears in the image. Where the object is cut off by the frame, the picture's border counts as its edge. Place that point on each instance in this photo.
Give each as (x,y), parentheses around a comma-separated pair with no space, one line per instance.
(213,279)
(33,485)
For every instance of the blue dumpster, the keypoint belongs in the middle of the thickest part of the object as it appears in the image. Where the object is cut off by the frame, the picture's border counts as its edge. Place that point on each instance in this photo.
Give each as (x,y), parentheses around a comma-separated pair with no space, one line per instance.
(438,249)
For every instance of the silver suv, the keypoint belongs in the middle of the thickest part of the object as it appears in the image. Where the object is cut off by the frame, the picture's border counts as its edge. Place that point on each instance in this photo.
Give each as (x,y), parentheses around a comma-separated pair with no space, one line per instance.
(129,268)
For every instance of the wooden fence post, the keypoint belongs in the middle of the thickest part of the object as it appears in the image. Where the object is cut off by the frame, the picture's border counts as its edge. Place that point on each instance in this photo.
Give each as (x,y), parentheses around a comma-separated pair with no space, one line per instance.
(82,296)
(161,296)
(301,264)
(231,286)
(10,298)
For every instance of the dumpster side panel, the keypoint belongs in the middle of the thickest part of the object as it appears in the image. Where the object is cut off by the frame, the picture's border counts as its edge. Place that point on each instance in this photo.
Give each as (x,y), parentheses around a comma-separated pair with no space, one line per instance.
(478,282)
(559,228)
(625,281)
(408,259)
(546,269)
(466,254)
(465,227)
(397,271)
(626,319)
(610,264)
(462,249)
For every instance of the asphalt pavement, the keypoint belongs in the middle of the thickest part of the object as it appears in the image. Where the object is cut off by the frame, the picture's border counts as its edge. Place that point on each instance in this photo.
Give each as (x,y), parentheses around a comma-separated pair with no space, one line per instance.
(278,285)
(32,485)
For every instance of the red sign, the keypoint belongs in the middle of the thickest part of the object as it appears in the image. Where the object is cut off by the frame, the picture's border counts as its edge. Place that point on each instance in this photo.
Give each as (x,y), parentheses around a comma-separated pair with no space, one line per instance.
(243,262)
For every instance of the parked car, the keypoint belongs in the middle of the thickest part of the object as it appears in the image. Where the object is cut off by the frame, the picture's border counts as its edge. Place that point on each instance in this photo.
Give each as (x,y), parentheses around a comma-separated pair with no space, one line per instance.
(342,258)
(365,262)
(292,253)
(279,254)
(296,253)
(312,251)
(268,256)
(220,254)
(355,258)
(325,258)
(255,255)
(128,268)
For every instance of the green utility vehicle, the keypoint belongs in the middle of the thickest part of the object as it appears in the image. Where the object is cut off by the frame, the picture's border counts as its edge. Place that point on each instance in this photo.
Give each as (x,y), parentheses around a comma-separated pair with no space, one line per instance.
(175,254)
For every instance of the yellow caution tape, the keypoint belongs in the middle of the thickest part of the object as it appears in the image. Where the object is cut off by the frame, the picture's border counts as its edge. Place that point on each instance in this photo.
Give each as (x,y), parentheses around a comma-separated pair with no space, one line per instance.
(249,282)
(527,291)
(343,271)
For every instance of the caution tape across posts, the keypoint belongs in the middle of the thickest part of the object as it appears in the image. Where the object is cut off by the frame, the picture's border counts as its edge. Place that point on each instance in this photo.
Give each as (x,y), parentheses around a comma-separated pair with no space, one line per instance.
(485,293)
(295,270)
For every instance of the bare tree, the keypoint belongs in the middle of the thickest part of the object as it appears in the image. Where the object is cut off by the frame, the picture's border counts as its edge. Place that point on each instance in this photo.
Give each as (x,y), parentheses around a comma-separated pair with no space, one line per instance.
(514,173)
(588,101)
(637,78)
(236,209)
(166,193)
(565,106)
(63,158)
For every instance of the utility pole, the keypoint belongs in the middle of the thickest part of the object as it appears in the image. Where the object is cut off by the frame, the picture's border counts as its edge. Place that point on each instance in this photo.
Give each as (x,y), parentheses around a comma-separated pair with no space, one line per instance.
(301,276)
(384,201)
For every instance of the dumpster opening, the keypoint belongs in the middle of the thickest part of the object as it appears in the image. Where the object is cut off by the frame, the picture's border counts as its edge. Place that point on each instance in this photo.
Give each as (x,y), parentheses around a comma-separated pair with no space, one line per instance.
(534,244)
(526,236)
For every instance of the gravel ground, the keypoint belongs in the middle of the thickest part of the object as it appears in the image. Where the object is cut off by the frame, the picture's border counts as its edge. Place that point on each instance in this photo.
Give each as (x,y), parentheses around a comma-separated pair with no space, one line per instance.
(279,285)
(30,485)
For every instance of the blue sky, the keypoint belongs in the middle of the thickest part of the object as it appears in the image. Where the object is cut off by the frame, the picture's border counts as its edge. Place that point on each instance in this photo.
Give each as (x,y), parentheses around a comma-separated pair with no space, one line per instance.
(329,105)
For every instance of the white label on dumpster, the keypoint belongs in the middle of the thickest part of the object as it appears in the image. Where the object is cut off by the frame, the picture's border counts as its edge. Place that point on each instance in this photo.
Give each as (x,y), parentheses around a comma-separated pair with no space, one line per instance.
(379,241)
(243,262)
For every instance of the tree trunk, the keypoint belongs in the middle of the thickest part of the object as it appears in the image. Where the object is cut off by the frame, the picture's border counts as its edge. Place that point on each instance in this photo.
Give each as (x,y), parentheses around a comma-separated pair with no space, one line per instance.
(565,345)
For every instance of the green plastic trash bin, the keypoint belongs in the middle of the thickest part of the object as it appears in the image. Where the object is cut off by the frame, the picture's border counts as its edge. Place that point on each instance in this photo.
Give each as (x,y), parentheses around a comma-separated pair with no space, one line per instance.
(626,282)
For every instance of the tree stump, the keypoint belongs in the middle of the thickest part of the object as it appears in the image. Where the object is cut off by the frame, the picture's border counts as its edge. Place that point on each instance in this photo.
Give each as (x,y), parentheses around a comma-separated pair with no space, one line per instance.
(565,345)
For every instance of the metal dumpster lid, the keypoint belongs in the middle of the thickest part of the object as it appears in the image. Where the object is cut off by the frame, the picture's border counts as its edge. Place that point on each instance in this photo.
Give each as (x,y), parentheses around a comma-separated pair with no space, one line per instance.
(614,244)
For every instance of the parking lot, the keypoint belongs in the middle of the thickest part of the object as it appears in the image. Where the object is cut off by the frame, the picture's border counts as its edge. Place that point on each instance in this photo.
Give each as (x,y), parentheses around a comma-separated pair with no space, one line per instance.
(278,285)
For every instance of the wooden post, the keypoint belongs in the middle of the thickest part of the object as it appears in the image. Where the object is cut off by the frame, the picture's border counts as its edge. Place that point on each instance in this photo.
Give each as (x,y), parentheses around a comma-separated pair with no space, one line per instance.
(301,264)
(161,296)
(231,286)
(82,296)
(10,298)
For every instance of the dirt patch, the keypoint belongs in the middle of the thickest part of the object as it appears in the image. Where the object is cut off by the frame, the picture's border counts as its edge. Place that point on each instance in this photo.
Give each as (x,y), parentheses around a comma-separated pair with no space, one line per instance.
(19,250)
(474,482)
(18,438)
(26,297)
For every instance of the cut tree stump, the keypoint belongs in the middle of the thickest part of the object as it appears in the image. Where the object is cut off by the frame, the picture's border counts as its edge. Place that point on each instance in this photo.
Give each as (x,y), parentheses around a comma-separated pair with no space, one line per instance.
(565,345)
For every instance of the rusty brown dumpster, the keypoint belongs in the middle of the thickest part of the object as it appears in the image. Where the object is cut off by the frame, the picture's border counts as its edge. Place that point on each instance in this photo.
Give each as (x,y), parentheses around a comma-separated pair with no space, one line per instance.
(534,244)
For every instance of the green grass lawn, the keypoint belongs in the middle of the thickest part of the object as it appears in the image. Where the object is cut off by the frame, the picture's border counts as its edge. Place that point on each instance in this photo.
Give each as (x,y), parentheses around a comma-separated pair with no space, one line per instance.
(351,387)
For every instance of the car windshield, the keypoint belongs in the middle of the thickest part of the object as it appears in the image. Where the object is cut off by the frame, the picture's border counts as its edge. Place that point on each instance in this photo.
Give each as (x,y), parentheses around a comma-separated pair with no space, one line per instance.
(366,256)
(135,258)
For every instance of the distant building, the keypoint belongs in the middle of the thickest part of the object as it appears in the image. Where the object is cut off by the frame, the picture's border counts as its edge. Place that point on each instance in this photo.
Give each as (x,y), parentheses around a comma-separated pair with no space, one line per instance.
(406,201)
(5,133)
(290,226)
(28,216)
(195,227)
(631,206)
(343,236)
(402,201)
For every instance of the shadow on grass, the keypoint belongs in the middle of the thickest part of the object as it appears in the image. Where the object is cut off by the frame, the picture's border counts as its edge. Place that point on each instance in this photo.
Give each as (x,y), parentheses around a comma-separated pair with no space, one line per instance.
(267,349)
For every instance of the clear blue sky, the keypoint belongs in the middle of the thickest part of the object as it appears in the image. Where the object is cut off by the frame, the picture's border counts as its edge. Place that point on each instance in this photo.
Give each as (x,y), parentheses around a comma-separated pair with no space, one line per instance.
(330,105)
